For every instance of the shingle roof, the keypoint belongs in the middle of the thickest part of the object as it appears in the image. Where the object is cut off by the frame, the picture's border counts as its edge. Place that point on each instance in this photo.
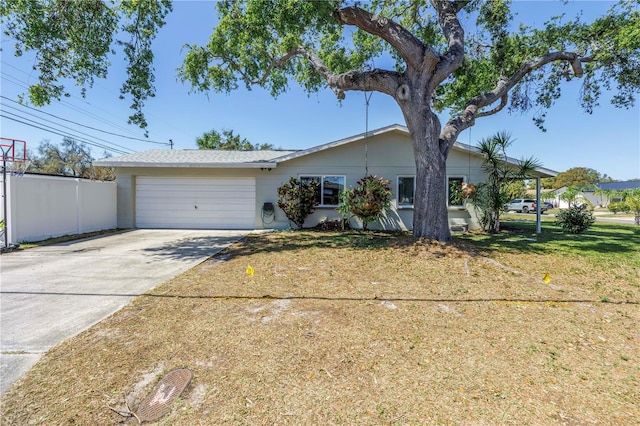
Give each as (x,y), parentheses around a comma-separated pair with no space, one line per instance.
(193,158)
(268,158)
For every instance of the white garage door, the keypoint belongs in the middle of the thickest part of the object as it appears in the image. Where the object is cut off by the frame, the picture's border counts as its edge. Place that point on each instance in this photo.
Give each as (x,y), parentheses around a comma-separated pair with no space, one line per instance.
(198,203)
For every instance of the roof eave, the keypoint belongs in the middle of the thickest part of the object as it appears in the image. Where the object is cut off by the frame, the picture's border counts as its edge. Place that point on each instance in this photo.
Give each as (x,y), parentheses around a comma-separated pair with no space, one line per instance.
(539,172)
(340,142)
(181,165)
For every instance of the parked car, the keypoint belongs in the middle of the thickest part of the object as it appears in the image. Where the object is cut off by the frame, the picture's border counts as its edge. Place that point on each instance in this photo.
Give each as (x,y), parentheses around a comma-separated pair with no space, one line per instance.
(548,205)
(524,205)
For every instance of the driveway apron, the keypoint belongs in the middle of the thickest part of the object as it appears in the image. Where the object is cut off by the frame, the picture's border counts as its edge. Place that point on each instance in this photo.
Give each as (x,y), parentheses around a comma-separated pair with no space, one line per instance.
(51,293)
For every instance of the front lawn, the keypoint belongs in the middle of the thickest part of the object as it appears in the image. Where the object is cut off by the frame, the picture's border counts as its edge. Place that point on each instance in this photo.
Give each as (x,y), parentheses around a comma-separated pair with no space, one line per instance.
(369,329)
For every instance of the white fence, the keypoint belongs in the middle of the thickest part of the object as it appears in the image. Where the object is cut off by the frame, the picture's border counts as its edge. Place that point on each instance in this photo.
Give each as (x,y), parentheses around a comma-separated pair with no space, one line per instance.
(41,207)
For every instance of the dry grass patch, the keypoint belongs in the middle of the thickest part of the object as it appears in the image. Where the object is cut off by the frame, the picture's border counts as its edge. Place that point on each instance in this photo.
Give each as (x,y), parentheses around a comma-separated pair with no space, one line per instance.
(356,329)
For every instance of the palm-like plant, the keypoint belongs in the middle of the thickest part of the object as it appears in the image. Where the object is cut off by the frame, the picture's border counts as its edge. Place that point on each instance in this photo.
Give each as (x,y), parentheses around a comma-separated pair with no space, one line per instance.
(491,196)
(632,200)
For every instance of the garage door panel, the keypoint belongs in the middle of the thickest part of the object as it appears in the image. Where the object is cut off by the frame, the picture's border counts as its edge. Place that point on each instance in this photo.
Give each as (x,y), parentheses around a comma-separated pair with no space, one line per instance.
(215,203)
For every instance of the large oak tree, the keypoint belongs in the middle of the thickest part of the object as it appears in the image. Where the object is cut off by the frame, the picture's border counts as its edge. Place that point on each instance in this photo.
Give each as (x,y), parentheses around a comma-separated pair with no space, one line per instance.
(465,57)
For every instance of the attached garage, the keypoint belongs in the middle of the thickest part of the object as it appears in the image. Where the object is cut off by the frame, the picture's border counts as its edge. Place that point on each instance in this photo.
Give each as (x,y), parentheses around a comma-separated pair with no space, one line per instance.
(196,203)
(193,188)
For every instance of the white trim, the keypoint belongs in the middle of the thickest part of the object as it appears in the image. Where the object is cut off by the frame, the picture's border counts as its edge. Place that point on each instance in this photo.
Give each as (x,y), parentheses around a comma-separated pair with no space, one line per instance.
(190,165)
(322,178)
(464,179)
(398,203)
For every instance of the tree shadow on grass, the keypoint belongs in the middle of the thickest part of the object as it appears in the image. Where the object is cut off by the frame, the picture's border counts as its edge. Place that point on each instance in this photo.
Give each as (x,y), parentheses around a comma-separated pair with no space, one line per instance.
(307,239)
(600,239)
(202,247)
(192,248)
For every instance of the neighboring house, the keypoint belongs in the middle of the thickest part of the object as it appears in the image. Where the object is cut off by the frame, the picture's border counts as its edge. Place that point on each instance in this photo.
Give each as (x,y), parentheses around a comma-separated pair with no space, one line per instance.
(594,197)
(229,189)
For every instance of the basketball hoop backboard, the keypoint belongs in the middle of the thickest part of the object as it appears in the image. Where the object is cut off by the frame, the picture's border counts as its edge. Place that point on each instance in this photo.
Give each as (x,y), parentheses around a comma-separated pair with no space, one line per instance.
(13,150)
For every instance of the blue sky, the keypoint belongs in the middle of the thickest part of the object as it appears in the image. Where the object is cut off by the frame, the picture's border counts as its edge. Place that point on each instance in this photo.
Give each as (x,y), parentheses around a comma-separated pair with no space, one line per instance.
(608,140)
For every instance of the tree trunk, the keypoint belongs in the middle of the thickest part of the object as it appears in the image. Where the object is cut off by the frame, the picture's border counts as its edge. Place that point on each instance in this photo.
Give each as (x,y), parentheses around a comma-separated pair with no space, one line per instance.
(430,216)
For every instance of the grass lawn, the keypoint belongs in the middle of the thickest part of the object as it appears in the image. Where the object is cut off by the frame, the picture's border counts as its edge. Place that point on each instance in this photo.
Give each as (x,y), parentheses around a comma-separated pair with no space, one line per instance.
(369,329)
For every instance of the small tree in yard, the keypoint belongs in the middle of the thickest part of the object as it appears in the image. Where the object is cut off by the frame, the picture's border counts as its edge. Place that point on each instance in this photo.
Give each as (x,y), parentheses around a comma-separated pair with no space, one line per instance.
(298,199)
(632,201)
(490,197)
(576,219)
(573,195)
(368,200)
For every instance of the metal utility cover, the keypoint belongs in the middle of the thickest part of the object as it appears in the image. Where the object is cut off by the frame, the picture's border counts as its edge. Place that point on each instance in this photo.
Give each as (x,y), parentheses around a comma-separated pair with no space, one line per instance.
(159,401)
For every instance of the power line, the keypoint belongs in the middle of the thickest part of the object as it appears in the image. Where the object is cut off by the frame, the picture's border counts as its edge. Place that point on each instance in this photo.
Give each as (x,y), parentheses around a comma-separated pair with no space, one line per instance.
(25,85)
(63,126)
(83,125)
(57,132)
(97,145)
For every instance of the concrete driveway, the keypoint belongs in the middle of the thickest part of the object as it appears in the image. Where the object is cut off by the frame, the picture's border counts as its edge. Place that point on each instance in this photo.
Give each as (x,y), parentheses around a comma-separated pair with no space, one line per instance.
(51,293)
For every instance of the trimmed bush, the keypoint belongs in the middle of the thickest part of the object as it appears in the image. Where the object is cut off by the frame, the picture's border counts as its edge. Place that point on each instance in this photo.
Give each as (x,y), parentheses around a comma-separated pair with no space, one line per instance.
(575,219)
(298,199)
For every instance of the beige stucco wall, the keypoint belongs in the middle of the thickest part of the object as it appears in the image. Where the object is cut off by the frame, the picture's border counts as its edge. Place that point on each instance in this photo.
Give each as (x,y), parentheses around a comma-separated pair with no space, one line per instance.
(388,155)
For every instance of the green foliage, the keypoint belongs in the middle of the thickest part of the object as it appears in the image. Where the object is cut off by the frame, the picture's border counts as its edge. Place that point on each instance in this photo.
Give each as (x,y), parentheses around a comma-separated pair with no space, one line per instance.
(577,176)
(575,219)
(573,195)
(367,201)
(618,207)
(504,182)
(344,209)
(71,158)
(298,199)
(632,201)
(74,40)
(255,42)
(228,141)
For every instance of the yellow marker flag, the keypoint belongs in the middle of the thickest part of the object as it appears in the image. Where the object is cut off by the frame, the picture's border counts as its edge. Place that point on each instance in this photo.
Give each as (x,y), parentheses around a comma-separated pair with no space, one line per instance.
(546,278)
(250,270)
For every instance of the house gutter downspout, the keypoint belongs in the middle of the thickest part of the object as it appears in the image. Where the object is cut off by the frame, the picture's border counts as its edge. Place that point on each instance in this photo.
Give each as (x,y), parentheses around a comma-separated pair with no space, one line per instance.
(538,212)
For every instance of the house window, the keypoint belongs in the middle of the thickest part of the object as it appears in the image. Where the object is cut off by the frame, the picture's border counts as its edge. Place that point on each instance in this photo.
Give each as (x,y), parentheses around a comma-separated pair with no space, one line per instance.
(406,189)
(455,196)
(330,187)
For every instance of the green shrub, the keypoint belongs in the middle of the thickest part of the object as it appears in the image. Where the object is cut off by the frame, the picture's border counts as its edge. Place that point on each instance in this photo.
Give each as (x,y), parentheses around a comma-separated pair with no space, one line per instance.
(367,201)
(344,209)
(618,206)
(575,219)
(298,199)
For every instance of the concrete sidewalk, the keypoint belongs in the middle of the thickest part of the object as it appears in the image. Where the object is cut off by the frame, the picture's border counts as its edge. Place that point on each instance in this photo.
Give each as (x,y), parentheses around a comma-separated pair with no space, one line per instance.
(51,293)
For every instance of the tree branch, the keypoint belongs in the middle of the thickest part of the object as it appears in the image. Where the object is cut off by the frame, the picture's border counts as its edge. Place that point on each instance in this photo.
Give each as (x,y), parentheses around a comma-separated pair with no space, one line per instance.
(503,103)
(408,46)
(506,84)
(468,116)
(454,33)
(375,80)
